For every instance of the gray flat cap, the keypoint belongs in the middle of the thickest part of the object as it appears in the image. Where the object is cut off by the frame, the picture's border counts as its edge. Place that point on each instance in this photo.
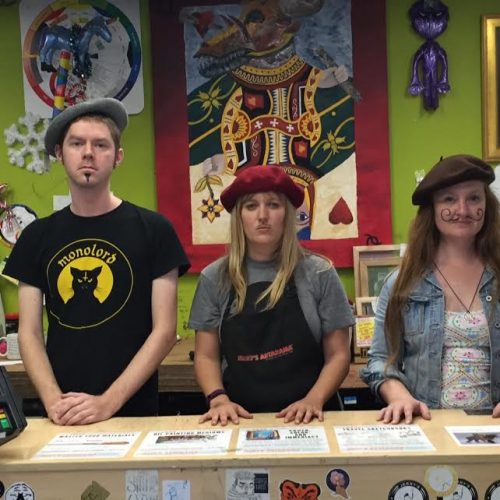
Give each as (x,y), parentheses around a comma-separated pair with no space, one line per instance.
(106,106)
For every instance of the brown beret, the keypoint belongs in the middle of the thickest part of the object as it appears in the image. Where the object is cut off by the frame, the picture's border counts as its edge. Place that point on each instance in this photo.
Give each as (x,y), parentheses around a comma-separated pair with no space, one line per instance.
(450,171)
(261,179)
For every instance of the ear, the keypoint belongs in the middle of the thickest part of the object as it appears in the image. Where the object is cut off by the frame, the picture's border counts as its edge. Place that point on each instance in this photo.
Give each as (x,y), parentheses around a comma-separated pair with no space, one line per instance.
(58,151)
(119,157)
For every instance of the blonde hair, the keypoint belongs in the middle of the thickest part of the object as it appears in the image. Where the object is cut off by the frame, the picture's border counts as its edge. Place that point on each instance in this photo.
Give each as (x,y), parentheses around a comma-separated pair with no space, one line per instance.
(288,256)
(423,242)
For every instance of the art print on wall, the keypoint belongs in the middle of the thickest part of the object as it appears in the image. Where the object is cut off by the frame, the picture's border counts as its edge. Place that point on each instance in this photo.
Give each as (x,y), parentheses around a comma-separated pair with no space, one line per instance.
(80,49)
(491,87)
(257,98)
(270,83)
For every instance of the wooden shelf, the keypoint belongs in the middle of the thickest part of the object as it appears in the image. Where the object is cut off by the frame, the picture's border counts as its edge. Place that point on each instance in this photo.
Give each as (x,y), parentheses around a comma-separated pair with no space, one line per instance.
(176,373)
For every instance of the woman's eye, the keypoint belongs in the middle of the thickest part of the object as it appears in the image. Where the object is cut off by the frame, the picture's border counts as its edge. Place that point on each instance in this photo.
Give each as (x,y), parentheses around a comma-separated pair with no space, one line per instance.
(302,217)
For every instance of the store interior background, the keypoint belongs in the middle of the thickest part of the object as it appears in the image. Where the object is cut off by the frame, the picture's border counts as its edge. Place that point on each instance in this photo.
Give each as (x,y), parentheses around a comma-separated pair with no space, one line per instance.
(417,138)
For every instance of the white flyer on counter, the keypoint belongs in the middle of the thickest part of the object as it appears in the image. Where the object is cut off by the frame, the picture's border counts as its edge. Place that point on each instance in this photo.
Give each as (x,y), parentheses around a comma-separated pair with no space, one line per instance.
(382,438)
(92,445)
(282,440)
(185,442)
(475,435)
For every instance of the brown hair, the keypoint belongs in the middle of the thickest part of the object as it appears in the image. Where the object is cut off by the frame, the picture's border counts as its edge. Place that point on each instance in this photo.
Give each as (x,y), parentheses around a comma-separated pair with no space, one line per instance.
(423,242)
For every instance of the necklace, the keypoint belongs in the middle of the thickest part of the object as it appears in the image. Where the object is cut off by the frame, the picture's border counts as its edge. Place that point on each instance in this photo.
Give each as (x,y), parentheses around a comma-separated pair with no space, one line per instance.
(468,315)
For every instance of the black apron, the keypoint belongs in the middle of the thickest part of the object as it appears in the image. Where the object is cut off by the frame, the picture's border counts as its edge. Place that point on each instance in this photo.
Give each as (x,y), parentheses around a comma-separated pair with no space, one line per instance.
(272,357)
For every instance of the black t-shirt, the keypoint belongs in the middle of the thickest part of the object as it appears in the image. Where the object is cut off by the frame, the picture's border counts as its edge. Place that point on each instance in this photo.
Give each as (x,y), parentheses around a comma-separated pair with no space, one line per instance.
(96,274)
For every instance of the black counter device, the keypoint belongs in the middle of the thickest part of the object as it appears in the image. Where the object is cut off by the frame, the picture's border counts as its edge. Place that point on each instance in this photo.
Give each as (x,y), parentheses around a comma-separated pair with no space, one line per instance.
(12,420)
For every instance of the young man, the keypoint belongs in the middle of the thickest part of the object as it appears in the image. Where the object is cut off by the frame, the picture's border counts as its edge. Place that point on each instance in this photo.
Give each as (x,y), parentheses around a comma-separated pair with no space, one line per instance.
(108,271)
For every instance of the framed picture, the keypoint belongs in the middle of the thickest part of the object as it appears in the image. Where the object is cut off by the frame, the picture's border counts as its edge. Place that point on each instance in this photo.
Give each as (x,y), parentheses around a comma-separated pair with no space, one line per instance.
(365,257)
(373,274)
(491,86)
(365,306)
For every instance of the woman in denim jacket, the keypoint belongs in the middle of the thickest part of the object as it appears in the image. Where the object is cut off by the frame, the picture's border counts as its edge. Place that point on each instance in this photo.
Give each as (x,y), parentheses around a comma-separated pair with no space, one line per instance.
(437,325)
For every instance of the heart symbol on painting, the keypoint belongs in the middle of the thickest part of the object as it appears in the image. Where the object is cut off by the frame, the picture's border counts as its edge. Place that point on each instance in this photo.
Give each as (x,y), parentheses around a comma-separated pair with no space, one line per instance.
(340,213)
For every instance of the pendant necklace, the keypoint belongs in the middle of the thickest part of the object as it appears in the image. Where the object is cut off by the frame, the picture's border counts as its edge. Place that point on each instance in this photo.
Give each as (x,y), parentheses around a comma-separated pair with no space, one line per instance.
(468,315)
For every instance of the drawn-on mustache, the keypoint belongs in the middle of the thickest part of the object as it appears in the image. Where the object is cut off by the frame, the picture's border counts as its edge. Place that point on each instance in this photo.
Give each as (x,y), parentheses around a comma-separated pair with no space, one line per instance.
(447,215)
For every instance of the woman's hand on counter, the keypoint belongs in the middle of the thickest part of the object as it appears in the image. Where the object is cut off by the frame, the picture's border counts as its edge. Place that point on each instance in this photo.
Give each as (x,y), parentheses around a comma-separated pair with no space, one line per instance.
(223,410)
(401,405)
(302,411)
(404,409)
(496,411)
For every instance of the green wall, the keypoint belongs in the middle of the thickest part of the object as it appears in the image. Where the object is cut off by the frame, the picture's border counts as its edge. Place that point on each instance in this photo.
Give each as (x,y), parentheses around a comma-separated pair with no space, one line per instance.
(417,137)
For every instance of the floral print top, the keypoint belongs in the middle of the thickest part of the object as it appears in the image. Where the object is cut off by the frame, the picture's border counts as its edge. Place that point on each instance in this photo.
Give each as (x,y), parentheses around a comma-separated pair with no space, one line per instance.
(466,361)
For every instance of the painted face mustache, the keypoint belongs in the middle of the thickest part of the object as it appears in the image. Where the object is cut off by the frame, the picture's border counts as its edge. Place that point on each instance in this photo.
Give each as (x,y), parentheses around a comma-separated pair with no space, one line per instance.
(447,215)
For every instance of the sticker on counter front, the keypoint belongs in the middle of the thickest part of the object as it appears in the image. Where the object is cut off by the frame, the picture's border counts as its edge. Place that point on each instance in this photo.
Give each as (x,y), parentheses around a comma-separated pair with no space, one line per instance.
(176,490)
(143,484)
(441,480)
(95,491)
(18,491)
(475,435)
(290,490)
(382,438)
(408,490)
(493,491)
(247,484)
(185,442)
(282,440)
(92,445)
(463,491)
(337,481)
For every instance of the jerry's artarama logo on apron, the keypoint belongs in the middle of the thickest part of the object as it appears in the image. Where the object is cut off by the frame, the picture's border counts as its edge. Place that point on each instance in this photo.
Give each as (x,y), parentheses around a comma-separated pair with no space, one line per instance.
(89,281)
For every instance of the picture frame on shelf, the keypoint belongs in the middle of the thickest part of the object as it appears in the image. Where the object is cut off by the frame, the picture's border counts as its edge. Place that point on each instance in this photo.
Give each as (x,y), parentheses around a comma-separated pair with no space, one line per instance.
(369,262)
(373,274)
(490,41)
(365,306)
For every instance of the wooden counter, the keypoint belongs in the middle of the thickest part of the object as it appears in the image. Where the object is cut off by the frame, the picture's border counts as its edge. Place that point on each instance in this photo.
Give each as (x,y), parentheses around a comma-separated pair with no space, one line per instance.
(176,373)
(371,475)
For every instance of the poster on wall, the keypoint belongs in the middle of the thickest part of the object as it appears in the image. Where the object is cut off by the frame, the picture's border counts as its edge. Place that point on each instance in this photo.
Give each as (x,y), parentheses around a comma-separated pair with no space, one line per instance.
(75,50)
(286,83)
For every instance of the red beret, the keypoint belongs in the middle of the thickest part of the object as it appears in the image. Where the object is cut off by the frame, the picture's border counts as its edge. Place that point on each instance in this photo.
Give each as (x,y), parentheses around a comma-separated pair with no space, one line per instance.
(450,171)
(261,179)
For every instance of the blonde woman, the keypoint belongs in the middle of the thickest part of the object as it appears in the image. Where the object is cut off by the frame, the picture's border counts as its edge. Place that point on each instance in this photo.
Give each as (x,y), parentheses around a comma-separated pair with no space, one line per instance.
(272,321)
(437,326)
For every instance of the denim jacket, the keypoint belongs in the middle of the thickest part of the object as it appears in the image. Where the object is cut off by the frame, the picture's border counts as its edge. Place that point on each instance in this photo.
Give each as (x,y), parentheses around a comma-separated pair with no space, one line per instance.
(422,343)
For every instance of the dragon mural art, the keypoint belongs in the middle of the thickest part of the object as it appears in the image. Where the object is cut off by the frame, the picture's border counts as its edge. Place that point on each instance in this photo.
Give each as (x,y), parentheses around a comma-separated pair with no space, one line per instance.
(259,102)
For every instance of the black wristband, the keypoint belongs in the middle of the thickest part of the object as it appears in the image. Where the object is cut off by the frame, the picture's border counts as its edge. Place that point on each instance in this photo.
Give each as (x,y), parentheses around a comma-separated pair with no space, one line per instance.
(214,394)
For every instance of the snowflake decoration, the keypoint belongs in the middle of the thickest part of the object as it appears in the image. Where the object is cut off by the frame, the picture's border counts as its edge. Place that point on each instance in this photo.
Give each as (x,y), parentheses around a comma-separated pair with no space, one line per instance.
(25,143)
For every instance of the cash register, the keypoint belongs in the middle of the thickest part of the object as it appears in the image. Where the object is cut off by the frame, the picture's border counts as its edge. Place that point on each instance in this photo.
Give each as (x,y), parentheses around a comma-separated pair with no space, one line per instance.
(12,420)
